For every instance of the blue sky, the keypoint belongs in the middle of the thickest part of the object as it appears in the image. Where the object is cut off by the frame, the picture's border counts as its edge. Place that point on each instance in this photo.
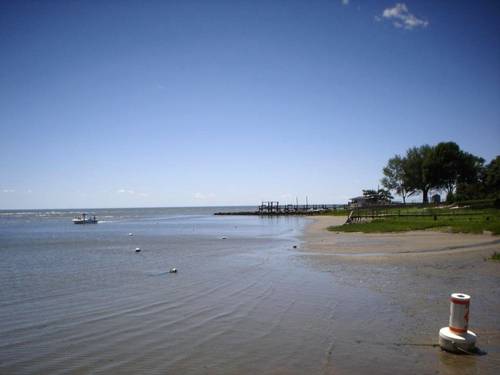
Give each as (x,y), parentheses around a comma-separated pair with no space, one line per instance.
(186,103)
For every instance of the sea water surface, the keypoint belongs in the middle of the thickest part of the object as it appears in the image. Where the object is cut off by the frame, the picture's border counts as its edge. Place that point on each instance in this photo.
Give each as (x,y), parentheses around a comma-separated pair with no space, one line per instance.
(247,299)
(79,299)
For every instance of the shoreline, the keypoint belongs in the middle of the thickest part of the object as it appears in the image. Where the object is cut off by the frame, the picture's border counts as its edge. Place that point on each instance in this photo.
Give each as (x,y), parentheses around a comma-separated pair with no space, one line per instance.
(411,276)
(390,247)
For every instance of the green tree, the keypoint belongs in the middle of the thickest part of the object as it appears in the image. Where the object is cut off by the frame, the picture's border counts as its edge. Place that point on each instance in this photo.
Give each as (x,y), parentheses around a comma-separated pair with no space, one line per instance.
(384,195)
(492,178)
(370,195)
(448,165)
(441,167)
(377,196)
(417,167)
(394,177)
(444,166)
(471,168)
(471,176)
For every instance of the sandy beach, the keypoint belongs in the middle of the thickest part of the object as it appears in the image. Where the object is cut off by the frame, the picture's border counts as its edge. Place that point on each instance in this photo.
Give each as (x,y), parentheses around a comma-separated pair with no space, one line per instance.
(418,246)
(412,274)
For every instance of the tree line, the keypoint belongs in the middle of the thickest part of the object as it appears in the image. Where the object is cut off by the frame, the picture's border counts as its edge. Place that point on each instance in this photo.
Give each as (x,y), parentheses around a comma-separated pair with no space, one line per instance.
(442,168)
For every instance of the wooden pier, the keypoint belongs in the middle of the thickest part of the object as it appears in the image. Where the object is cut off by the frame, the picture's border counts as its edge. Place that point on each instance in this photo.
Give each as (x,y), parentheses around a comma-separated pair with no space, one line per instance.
(273,208)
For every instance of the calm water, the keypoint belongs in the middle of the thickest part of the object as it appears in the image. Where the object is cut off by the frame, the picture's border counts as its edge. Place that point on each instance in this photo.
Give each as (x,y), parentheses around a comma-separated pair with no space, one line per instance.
(78,299)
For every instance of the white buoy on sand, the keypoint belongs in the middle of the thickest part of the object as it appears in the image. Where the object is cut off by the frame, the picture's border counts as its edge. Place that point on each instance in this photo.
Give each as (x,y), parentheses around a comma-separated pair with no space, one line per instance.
(130,234)
(137,249)
(456,337)
(173,270)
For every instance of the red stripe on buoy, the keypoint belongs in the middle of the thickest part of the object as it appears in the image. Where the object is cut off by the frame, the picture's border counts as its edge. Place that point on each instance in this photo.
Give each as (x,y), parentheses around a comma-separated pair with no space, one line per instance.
(458,330)
(459,301)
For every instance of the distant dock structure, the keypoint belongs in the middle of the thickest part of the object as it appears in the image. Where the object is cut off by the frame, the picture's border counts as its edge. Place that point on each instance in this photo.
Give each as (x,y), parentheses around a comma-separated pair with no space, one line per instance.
(273,208)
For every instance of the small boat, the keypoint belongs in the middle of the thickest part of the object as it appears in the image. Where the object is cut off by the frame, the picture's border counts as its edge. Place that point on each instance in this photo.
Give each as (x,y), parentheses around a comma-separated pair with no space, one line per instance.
(85,219)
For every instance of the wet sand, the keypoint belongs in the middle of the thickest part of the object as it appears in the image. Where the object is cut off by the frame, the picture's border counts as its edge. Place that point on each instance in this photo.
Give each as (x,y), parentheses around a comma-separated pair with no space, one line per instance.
(411,274)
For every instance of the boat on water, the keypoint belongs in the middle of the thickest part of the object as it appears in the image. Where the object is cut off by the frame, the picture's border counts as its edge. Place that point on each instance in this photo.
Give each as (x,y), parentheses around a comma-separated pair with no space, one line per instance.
(85,219)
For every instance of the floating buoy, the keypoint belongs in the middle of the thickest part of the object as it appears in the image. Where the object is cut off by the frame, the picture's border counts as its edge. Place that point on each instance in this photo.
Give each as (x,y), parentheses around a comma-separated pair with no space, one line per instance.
(173,270)
(294,246)
(130,234)
(456,337)
(137,249)
(223,238)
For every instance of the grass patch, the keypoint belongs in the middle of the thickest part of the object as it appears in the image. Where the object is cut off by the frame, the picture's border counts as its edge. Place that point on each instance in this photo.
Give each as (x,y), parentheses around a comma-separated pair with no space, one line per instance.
(476,223)
(338,212)
(495,256)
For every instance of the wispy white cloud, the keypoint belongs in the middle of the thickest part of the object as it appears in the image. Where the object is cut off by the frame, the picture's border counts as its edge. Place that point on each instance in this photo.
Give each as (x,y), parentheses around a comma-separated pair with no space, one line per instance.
(203,196)
(132,192)
(126,191)
(401,18)
(8,191)
(345,2)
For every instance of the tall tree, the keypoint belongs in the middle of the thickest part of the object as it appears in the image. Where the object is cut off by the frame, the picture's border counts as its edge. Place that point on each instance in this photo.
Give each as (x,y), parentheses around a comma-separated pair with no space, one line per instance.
(417,168)
(394,177)
(471,168)
(449,165)
(492,178)
(444,166)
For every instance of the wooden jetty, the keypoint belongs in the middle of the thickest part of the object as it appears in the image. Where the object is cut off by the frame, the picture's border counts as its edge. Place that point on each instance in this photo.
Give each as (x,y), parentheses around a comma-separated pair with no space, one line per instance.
(273,208)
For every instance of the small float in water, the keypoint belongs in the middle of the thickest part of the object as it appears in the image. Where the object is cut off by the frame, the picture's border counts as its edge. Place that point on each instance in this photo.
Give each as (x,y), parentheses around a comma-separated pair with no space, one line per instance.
(85,219)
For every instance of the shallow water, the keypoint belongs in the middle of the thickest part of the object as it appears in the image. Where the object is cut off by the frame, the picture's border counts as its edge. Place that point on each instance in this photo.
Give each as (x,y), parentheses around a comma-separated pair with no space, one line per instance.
(79,299)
